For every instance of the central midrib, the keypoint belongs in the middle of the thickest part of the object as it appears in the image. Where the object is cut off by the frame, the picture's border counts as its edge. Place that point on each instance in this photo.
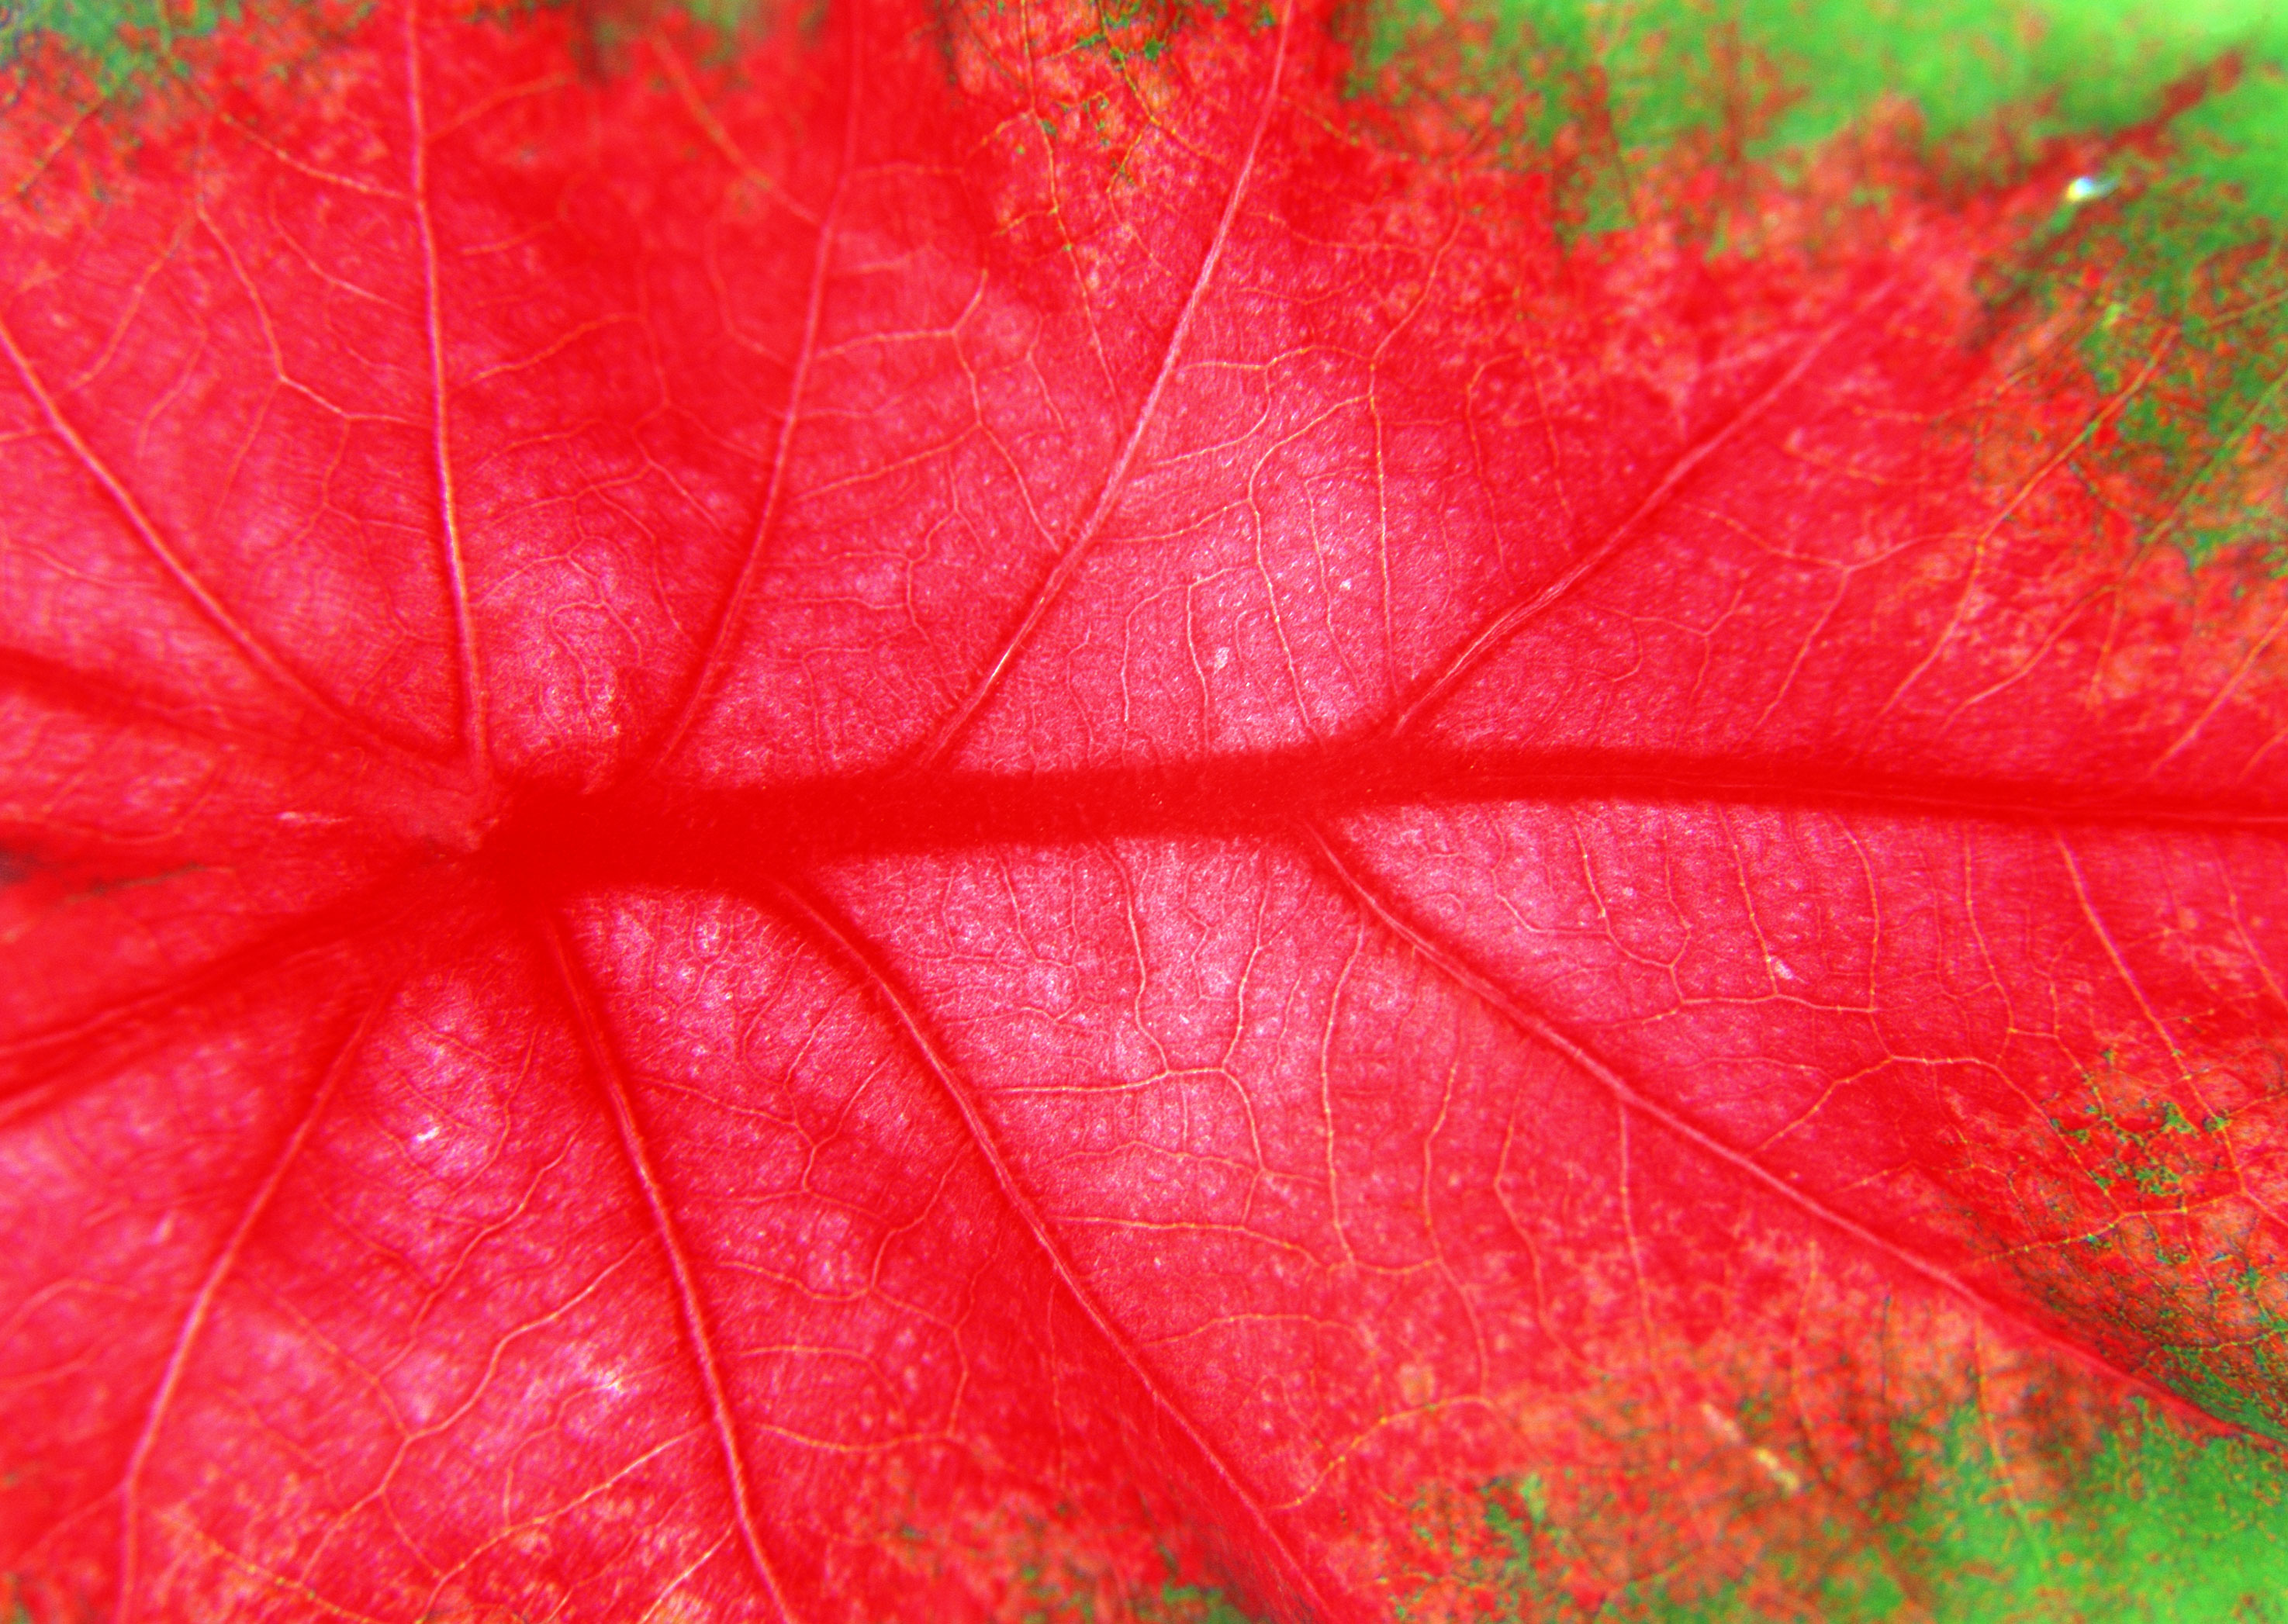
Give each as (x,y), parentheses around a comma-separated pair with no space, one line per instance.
(703,836)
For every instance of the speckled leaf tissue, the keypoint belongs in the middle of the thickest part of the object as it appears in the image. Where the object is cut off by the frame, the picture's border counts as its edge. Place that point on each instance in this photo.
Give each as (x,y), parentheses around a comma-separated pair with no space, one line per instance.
(995,810)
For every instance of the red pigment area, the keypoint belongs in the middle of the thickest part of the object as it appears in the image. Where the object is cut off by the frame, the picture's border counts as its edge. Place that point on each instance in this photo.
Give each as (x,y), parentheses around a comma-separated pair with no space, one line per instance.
(930,821)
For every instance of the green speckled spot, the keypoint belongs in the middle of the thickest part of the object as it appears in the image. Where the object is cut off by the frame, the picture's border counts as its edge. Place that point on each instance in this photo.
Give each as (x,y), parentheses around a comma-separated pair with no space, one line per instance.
(127,43)
(2151,1524)
(122,41)
(1189,1605)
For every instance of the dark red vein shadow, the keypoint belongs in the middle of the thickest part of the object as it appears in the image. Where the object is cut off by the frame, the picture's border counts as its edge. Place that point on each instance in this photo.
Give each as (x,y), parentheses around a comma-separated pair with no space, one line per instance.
(359,943)
(579,1000)
(200,1309)
(710,837)
(840,943)
(1333,862)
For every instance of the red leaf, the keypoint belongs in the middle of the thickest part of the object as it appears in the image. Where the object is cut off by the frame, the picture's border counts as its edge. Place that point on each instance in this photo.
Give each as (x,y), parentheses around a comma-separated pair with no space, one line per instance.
(943,820)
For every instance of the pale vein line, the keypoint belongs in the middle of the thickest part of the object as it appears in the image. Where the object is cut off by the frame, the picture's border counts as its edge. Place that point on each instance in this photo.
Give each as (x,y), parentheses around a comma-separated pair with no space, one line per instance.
(470,684)
(1506,624)
(720,645)
(250,647)
(605,1065)
(271,952)
(1533,1026)
(201,1309)
(1636,1257)
(858,962)
(2113,953)
(2113,956)
(2200,475)
(687,93)
(63,138)
(2018,498)
(2223,695)
(1109,494)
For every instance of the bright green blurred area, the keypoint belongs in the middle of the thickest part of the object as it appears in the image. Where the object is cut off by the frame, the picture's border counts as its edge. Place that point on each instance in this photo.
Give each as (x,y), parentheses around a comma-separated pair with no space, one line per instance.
(2152,1525)
(2053,66)
(2091,65)
(2156,1526)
